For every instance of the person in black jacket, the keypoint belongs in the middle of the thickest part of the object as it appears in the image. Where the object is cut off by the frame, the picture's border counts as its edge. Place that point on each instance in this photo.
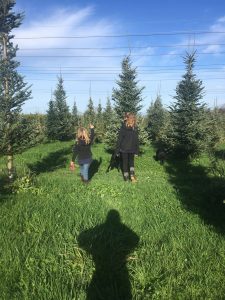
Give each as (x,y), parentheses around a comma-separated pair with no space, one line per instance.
(128,145)
(82,151)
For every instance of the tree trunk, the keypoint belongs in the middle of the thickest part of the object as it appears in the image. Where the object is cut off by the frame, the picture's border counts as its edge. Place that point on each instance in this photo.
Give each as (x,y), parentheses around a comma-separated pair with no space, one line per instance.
(6,87)
(10,167)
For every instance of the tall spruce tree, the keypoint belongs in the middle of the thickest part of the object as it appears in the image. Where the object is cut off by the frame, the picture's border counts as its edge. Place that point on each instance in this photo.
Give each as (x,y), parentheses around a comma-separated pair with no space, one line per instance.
(14,135)
(128,96)
(188,113)
(63,117)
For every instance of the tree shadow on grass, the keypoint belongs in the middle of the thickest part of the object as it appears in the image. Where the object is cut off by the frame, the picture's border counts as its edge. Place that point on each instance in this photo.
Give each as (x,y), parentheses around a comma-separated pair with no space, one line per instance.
(109,244)
(51,162)
(220,154)
(94,167)
(5,188)
(198,192)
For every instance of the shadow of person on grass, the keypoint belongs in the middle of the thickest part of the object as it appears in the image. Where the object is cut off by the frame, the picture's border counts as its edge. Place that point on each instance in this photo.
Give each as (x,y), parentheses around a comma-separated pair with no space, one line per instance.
(51,162)
(94,167)
(199,192)
(109,244)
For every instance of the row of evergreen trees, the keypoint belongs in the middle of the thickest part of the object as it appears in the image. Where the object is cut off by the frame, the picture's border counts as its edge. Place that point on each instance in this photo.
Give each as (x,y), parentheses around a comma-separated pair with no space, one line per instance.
(186,128)
(62,125)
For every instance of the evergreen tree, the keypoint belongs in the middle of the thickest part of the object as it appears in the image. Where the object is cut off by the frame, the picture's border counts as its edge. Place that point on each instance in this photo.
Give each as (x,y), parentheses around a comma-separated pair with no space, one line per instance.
(107,113)
(14,92)
(142,132)
(63,117)
(219,120)
(89,115)
(75,117)
(111,133)
(108,110)
(99,110)
(127,96)
(99,124)
(37,124)
(155,119)
(51,121)
(189,133)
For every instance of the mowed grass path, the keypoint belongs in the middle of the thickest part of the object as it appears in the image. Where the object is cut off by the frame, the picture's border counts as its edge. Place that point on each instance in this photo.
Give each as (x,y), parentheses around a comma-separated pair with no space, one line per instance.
(174,213)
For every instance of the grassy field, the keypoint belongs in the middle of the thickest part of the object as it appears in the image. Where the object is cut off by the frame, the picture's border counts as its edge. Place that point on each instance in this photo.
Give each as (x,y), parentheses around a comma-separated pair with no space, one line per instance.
(161,238)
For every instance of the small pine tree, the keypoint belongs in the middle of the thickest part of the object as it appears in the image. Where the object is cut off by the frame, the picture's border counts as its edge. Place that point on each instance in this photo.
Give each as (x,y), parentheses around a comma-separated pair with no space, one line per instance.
(142,132)
(127,96)
(14,136)
(99,124)
(112,130)
(51,121)
(37,124)
(189,134)
(107,111)
(75,117)
(218,116)
(89,115)
(155,119)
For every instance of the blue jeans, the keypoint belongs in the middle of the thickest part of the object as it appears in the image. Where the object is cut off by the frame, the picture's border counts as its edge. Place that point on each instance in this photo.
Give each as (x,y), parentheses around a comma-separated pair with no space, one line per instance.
(84,170)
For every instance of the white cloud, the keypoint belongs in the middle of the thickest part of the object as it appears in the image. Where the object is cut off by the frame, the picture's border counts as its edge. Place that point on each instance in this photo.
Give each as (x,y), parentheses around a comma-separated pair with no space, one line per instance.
(221,20)
(214,38)
(84,22)
(66,23)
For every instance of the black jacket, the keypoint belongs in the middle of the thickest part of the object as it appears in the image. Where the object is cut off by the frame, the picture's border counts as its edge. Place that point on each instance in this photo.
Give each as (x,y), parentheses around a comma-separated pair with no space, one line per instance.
(128,141)
(81,150)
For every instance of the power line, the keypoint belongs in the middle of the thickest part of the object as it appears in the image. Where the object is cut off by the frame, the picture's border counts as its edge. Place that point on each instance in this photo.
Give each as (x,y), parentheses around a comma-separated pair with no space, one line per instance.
(122,35)
(122,55)
(110,80)
(119,67)
(198,20)
(161,71)
(103,91)
(118,47)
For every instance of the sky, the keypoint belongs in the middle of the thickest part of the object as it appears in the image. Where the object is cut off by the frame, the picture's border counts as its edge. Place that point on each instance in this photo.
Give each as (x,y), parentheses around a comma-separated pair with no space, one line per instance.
(86,41)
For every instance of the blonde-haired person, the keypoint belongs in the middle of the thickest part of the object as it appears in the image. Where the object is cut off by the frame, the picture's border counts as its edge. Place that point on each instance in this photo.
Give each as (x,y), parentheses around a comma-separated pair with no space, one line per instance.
(82,151)
(128,145)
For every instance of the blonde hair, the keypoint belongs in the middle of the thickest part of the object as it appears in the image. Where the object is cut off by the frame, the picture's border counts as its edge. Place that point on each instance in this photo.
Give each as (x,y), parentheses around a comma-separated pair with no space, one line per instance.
(130,120)
(82,134)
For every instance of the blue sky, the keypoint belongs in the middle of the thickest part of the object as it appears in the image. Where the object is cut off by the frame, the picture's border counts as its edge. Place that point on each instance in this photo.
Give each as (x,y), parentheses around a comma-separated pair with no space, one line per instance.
(86,41)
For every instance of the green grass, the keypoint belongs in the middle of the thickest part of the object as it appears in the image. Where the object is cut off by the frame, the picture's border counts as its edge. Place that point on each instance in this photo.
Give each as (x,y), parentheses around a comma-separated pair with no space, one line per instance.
(170,239)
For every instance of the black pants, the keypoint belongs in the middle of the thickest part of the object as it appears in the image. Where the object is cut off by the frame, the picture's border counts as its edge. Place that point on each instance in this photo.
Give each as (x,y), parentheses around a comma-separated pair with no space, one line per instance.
(128,162)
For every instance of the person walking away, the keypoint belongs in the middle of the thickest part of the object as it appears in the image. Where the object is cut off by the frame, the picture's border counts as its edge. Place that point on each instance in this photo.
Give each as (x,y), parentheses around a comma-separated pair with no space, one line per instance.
(128,146)
(82,151)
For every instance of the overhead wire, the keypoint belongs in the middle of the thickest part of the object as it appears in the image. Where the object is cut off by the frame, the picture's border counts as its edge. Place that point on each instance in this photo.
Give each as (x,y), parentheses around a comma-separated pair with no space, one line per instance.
(120,35)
